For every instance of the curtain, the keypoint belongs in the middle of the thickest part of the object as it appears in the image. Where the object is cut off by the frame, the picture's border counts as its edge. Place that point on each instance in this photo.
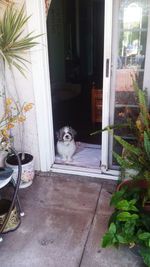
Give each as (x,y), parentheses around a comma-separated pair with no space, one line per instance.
(47,5)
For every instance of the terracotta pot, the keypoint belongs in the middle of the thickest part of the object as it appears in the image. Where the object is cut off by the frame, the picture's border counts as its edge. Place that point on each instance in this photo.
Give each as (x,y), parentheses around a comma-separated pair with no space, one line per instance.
(27,169)
(143,184)
(132,183)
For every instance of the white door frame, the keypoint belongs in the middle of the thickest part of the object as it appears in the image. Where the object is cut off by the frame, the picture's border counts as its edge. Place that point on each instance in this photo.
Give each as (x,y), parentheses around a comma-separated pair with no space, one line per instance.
(42,92)
(41,84)
(106,81)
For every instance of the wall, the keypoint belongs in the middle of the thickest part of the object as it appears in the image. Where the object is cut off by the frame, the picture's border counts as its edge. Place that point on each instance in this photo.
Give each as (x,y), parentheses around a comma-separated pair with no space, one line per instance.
(25,91)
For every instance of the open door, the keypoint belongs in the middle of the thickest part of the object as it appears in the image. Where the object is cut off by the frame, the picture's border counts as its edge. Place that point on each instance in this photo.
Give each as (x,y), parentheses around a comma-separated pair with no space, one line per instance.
(126,56)
(75,32)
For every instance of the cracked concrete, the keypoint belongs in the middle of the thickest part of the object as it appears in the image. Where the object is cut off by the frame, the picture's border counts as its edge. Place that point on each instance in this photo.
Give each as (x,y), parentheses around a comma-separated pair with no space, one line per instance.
(65,218)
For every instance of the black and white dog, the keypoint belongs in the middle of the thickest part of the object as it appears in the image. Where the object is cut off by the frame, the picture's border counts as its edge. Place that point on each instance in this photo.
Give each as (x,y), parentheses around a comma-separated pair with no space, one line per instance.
(66,146)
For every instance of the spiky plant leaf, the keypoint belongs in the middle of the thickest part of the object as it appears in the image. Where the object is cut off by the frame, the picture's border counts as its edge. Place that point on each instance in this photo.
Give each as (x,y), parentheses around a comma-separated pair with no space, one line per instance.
(147,144)
(13,42)
(6,2)
(125,164)
(142,103)
(131,148)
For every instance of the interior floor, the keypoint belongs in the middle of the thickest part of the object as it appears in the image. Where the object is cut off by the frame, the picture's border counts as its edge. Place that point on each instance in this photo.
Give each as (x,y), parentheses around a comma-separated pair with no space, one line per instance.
(86,155)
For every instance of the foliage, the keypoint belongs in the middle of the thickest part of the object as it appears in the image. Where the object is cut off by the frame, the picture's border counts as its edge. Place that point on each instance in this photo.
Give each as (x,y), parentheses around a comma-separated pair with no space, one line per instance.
(13,42)
(12,115)
(5,2)
(129,225)
(136,156)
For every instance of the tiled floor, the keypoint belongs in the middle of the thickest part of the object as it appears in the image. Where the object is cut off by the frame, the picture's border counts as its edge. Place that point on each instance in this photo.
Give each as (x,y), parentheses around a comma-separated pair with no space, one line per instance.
(65,218)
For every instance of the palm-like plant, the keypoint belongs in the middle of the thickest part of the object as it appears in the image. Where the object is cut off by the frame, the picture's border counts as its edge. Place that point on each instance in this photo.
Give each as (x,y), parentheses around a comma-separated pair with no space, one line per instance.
(5,2)
(13,42)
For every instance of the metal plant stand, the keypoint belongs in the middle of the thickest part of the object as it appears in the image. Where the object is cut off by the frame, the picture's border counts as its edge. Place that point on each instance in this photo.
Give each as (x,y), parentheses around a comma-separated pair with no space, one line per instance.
(15,196)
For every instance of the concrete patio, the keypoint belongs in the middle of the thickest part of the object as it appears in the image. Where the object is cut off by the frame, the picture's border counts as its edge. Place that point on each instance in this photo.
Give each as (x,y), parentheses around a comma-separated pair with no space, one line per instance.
(65,218)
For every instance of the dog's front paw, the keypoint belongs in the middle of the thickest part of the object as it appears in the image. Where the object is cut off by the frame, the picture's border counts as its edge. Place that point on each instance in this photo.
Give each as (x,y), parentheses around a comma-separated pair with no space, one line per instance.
(69,159)
(64,159)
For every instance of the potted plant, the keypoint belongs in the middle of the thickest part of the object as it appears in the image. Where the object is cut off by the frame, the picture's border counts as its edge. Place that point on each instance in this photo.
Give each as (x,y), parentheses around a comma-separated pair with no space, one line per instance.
(136,156)
(12,116)
(130,221)
(129,225)
(13,44)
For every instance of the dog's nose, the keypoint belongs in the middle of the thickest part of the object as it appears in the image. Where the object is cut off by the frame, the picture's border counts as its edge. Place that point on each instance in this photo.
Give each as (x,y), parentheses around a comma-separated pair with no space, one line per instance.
(67,136)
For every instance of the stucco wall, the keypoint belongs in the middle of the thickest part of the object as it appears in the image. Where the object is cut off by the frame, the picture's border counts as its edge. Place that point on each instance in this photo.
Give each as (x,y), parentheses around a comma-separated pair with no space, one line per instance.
(25,91)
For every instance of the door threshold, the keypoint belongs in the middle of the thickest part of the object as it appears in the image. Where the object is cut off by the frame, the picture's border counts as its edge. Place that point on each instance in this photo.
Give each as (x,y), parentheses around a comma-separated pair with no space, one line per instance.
(86,156)
(89,172)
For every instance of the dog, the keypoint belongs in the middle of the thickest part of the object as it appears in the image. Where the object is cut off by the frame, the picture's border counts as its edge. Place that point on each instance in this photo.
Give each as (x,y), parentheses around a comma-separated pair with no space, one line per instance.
(66,145)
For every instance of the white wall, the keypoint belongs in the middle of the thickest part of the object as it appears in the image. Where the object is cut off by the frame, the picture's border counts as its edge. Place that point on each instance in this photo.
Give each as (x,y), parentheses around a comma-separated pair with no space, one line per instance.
(25,91)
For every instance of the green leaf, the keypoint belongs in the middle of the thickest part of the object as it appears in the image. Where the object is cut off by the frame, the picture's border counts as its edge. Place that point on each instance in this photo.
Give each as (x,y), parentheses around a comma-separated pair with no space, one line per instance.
(126,216)
(121,239)
(123,205)
(127,205)
(112,228)
(117,196)
(123,162)
(147,144)
(13,39)
(134,217)
(129,228)
(107,240)
(131,148)
(144,236)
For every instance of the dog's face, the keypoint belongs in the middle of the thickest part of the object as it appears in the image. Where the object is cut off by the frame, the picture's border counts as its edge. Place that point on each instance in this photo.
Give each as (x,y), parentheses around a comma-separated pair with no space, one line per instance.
(66,134)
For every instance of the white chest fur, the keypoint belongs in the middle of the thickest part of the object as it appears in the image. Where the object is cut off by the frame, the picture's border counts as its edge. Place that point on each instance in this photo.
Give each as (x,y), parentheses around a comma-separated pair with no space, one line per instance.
(66,149)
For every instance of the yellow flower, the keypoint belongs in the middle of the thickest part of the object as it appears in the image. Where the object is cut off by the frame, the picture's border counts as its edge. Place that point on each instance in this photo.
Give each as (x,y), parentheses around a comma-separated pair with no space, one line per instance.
(10,125)
(139,125)
(27,107)
(5,133)
(8,101)
(21,118)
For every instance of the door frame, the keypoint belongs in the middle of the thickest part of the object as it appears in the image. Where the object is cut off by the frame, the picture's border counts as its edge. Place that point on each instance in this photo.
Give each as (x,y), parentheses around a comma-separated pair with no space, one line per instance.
(41,84)
(42,92)
(106,81)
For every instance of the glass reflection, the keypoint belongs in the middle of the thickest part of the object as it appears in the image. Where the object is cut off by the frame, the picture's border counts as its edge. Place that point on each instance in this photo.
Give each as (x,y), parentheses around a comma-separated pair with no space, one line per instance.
(133,22)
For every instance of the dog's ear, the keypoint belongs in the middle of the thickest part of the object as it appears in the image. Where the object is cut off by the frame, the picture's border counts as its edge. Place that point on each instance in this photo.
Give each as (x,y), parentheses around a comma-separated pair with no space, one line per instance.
(72,131)
(59,134)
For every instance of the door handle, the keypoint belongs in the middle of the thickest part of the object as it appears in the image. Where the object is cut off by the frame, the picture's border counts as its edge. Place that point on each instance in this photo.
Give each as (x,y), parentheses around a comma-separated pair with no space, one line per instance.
(107,67)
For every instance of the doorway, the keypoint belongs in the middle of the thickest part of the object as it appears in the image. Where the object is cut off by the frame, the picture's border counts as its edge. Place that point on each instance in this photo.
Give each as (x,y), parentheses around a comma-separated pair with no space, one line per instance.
(75,41)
